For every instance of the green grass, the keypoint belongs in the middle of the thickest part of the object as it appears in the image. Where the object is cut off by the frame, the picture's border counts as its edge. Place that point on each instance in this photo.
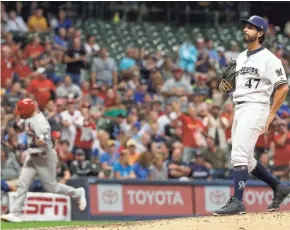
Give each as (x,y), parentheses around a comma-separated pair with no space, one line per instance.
(39,224)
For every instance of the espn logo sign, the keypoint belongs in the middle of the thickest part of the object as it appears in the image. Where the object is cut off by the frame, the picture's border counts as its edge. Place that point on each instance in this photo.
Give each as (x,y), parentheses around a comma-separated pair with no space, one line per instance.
(45,207)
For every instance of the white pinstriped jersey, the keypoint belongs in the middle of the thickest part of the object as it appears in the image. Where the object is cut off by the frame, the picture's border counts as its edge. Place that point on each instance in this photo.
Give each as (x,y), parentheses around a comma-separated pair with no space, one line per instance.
(259,72)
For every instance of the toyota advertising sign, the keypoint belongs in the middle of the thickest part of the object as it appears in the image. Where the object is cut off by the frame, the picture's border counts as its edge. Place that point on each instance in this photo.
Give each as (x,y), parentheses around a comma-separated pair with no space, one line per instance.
(256,199)
(140,200)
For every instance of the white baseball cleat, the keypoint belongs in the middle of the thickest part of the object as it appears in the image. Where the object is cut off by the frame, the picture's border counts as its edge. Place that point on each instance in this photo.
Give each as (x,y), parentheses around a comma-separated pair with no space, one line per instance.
(82,201)
(10,217)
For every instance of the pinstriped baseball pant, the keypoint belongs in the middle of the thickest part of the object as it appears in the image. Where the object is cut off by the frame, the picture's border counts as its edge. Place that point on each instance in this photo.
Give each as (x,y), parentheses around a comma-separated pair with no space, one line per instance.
(249,123)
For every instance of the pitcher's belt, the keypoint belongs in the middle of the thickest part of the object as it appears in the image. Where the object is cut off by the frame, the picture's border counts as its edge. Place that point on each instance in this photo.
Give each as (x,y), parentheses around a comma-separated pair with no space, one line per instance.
(37,154)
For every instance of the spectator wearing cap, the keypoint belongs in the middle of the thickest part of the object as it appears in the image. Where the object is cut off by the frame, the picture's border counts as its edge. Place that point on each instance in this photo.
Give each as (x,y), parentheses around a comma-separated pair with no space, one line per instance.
(37,22)
(192,129)
(122,169)
(187,56)
(94,98)
(197,169)
(201,85)
(141,167)
(41,88)
(176,87)
(132,153)
(75,59)
(34,49)
(110,157)
(158,170)
(15,23)
(91,47)
(63,20)
(68,88)
(12,97)
(282,144)
(80,167)
(203,60)
(104,70)
(68,119)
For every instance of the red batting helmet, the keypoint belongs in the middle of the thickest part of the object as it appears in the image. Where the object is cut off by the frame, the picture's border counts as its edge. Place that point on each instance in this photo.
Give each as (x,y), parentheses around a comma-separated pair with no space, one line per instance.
(25,108)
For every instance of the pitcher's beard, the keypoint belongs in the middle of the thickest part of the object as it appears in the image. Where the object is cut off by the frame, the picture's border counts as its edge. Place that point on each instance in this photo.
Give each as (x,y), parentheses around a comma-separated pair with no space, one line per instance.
(248,39)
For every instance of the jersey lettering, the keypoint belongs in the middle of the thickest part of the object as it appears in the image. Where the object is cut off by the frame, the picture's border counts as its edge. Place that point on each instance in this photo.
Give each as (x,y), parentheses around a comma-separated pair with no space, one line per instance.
(249,70)
(249,82)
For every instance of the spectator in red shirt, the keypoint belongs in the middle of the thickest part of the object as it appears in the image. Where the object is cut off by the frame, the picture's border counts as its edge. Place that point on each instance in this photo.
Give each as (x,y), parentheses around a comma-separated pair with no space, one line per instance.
(22,67)
(7,67)
(34,49)
(192,129)
(110,99)
(264,142)
(9,41)
(41,88)
(228,113)
(282,141)
(85,134)
(65,156)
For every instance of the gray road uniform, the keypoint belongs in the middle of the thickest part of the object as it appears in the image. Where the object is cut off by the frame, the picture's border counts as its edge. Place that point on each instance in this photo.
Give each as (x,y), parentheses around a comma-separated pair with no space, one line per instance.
(41,161)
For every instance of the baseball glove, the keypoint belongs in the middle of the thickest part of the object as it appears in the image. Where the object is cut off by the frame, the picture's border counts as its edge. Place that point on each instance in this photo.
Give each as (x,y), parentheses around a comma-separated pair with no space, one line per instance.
(228,82)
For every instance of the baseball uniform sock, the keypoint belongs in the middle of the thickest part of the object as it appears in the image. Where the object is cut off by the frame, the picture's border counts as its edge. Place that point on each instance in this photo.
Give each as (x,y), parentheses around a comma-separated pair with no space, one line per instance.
(240,179)
(261,173)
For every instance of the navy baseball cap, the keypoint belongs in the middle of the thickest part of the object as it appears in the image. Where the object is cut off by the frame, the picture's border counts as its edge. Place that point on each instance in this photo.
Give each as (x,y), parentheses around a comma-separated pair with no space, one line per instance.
(257,21)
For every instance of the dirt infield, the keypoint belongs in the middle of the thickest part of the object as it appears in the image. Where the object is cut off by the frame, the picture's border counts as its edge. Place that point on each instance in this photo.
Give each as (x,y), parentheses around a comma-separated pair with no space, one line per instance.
(259,221)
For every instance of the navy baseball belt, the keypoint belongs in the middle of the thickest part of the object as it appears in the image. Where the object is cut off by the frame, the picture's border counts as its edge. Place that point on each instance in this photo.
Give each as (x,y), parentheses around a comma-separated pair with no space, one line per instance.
(37,154)
(240,102)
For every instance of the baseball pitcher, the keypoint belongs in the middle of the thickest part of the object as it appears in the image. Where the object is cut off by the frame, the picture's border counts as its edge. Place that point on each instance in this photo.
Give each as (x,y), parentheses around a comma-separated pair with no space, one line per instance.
(41,160)
(257,73)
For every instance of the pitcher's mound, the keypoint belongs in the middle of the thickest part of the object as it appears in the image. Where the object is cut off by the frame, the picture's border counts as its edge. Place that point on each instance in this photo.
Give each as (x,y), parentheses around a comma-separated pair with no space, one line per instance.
(253,221)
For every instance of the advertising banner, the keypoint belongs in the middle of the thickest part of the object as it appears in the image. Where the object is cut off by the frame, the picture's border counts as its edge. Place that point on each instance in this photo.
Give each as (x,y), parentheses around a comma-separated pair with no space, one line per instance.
(256,199)
(116,199)
(44,207)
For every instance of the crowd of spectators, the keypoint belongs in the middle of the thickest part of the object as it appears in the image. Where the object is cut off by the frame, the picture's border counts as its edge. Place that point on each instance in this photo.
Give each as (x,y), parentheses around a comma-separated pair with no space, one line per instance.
(147,116)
